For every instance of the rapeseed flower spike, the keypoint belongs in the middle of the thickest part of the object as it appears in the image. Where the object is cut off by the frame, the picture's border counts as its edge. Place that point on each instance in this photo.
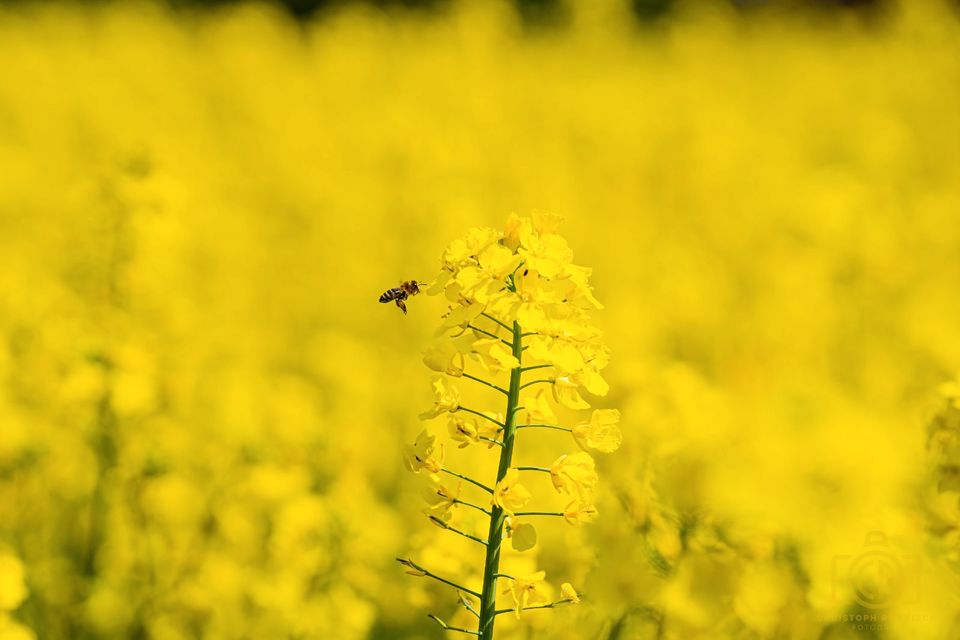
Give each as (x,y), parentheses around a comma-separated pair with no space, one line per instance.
(518,304)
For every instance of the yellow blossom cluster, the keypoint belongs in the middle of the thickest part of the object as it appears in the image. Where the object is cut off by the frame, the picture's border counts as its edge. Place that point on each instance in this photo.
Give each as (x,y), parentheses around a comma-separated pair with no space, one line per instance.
(517,304)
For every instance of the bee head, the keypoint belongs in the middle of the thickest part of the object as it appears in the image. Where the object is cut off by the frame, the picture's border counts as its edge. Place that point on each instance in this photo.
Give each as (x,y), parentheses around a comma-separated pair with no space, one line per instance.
(411,287)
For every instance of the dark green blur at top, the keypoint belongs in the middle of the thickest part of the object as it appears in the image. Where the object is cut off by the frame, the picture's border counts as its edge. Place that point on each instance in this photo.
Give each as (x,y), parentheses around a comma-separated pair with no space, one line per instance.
(550,12)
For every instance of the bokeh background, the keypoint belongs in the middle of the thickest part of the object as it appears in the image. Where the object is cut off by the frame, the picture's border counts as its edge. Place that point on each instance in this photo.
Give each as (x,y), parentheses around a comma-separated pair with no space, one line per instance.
(202,405)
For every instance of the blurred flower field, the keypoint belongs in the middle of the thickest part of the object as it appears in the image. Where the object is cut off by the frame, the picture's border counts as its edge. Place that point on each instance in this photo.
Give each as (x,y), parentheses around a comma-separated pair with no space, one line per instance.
(203,408)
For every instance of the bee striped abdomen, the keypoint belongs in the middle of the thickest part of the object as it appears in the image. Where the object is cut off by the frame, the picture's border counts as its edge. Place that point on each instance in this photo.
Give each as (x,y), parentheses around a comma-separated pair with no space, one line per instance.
(393,294)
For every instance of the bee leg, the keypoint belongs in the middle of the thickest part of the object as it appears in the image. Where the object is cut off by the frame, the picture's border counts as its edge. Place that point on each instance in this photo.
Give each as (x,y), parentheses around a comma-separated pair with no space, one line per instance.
(402,305)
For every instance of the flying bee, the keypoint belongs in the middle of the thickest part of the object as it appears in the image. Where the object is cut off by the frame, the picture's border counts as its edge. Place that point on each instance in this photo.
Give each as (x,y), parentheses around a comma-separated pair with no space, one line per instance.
(401,293)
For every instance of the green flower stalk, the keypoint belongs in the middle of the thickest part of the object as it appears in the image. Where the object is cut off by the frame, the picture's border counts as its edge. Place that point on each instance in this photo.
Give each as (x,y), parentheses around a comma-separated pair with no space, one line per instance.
(519,308)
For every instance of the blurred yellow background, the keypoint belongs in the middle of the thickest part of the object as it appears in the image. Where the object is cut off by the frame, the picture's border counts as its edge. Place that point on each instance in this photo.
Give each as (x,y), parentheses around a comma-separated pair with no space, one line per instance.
(202,405)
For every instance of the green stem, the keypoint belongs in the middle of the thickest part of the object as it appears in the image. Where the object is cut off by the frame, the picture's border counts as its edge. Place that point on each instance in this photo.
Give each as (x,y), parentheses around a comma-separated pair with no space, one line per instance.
(488,599)
(536,366)
(487,333)
(471,505)
(482,415)
(543,469)
(525,385)
(543,426)
(505,326)
(447,627)
(470,480)
(443,525)
(536,606)
(489,384)
(416,567)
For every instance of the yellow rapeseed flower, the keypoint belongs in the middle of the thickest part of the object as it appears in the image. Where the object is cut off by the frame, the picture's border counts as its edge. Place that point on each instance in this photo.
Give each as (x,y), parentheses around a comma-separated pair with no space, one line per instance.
(469,430)
(578,513)
(480,282)
(538,408)
(602,433)
(494,355)
(527,591)
(446,355)
(441,500)
(424,454)
(509,494)
(574,474)
(566,392)
(447,399)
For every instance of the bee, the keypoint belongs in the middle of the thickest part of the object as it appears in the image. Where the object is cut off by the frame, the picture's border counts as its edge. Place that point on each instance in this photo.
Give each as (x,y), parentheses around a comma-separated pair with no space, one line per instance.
(401,293)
